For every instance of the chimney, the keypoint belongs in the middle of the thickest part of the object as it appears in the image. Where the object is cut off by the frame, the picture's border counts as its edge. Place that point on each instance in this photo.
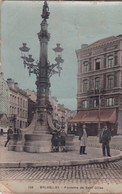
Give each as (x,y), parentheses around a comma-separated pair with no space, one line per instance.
(10,83)
(84,46)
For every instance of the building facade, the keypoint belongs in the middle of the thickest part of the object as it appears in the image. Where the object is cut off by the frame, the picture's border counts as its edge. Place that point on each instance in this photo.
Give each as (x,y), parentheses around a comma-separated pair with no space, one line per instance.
(17,105)
(99,83)
(32,96)
(4,90)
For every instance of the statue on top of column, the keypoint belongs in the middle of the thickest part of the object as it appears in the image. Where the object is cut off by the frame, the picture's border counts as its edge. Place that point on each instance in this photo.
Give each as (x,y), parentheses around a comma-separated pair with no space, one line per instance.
(45,11)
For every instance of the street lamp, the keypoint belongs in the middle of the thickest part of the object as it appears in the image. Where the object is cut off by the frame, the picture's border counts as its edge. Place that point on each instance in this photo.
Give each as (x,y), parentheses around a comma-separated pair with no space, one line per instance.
(37,137)
(97,92)
(28,61)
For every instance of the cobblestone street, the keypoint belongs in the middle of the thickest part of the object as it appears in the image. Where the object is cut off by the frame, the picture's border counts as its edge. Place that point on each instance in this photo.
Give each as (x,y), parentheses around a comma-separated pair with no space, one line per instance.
(111,172)
(68,179)
(83,177)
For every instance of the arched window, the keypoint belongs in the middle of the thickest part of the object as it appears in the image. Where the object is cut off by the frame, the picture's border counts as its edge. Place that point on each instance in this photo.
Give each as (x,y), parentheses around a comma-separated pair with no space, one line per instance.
(110,81)
(97,83)
(110,102)
(97,64)
(85,66)
(85,85)
(85,104)
(110,61)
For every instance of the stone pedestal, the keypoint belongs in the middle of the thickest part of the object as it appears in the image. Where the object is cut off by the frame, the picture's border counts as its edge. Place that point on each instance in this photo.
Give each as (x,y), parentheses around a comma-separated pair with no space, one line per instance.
(37,143)
(35,139)
(16,143)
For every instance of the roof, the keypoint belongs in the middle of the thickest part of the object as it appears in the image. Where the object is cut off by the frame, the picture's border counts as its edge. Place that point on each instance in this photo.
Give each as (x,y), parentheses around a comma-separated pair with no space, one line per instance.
(102,41)
(1,115)
(92,116)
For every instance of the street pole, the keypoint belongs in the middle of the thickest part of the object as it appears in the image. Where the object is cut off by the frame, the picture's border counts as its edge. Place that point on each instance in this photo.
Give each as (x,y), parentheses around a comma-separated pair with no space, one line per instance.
(37,137)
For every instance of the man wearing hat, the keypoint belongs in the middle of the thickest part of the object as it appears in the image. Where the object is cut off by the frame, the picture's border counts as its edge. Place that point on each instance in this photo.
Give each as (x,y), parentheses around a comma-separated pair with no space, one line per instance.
(83,139)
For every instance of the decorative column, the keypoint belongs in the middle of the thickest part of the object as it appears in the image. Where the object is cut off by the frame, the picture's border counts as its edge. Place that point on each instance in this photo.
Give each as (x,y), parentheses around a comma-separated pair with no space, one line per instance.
(37,137)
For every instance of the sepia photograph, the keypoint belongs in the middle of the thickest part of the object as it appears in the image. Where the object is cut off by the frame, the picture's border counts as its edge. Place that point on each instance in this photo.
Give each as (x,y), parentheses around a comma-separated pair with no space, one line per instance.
(60,97)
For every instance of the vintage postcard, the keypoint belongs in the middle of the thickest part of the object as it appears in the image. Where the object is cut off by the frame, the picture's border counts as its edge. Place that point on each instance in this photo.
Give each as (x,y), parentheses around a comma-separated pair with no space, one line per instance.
(60,97)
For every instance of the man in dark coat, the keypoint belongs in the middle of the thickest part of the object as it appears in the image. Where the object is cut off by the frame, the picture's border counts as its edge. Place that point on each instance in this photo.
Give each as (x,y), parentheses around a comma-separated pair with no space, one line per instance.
(9,133)
(105,140)
(55,141)
(62,136)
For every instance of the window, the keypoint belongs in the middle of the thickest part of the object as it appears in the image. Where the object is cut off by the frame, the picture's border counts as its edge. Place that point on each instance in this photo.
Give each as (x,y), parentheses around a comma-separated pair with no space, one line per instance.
(110,61)
(96,102)
(85,66)
(85,85)
(97,83)
(85,104)
(110,81)
(97,64)
(110,102)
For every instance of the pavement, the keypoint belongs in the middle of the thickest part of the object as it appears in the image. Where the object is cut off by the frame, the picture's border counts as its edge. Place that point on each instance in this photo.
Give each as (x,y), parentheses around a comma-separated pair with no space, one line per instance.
(62,172)
(24,159)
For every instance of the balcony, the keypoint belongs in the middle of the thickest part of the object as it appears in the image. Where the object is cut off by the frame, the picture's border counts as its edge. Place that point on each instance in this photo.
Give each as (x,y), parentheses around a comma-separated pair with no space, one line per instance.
(96,91)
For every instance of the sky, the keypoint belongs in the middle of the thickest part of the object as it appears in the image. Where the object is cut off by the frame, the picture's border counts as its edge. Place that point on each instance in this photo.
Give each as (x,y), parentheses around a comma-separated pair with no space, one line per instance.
(71,23)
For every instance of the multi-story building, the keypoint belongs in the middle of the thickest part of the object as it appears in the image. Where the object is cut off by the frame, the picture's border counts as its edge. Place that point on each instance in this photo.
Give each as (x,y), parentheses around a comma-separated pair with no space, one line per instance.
(32,96)
(18,105)
(99,81)
(3,95)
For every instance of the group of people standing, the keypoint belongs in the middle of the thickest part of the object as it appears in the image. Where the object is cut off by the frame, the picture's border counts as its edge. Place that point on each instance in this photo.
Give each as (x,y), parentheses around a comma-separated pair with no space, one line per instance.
(58,141)
(105,137)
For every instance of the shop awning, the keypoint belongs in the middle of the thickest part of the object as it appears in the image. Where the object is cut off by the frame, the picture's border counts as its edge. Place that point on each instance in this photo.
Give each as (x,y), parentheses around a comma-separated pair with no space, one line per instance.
(92,116)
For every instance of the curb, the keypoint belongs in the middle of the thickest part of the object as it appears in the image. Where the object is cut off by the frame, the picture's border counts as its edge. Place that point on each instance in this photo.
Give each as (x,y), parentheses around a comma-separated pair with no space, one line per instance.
(60,163)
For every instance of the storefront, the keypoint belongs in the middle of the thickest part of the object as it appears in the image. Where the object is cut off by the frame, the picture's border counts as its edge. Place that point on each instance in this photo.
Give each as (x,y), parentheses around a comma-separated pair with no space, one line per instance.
(93,117)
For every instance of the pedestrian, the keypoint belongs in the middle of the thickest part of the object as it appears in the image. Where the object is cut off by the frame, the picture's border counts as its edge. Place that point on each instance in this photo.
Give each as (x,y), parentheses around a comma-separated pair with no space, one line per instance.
(9,133)
(83,139)
(105,140)
(62,136)
(19,134)
(55,141)
(1,132)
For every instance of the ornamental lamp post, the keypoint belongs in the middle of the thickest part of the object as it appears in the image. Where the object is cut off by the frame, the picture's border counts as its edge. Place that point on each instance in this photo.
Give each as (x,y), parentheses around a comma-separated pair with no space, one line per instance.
(37,136)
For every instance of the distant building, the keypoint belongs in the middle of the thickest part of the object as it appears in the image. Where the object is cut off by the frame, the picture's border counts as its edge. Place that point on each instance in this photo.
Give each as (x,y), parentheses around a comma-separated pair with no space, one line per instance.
(18,105)
(4,93)
(32,96)
(99,85)
(4,121)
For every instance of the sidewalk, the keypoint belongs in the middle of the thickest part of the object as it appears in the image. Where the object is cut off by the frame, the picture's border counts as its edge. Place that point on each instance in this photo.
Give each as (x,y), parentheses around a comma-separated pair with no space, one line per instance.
(24,159)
